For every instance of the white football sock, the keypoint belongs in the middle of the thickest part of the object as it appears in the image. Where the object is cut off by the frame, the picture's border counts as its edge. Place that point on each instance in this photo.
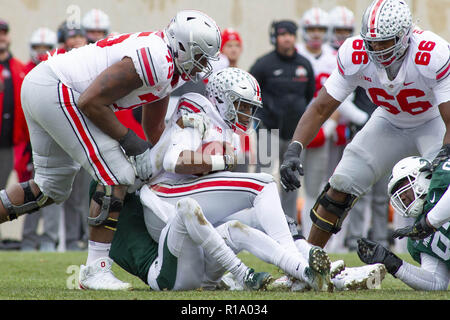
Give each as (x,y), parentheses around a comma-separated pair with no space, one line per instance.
(97,250)
(242,237)
(303,247)
(270,216)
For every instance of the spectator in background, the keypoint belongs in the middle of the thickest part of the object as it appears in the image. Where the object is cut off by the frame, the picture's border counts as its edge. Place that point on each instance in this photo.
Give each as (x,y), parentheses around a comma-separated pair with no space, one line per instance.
(287,85)
(69,36)
(231,50)
(13,128)
(97,25)
(231,46)
(42,40)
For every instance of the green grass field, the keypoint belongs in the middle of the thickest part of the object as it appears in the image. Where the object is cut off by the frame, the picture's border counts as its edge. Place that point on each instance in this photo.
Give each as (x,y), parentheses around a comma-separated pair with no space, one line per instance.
(50,276)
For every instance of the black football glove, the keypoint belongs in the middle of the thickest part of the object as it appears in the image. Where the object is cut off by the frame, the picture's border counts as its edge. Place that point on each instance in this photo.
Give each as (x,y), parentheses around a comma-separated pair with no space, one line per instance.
(371,252)
(442,156)
(419,230)
(291,163)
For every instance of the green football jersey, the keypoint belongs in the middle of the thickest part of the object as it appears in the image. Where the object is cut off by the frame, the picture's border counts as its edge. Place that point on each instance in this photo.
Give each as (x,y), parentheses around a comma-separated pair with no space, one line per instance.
(437,244)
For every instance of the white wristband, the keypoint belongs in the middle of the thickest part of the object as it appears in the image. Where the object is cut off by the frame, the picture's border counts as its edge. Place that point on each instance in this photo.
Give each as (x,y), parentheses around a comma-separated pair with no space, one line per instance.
(217,162)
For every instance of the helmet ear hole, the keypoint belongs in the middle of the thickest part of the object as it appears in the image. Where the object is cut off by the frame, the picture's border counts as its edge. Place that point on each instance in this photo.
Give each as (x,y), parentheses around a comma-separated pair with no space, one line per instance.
(181,46)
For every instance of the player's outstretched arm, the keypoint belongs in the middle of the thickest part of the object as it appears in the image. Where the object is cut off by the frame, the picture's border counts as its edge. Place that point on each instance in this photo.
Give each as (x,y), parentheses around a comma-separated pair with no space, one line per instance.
(419,230)
(112,84)
(307,128)
(317,113)
(371,252)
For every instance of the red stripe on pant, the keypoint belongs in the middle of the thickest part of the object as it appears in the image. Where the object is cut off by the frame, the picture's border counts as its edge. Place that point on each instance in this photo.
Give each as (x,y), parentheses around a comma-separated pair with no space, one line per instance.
(207,184)
(84,137)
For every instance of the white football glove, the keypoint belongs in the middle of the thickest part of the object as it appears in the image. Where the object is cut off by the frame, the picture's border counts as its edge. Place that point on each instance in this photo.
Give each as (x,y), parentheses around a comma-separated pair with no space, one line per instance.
(142,165)
(138,153)
(198,121)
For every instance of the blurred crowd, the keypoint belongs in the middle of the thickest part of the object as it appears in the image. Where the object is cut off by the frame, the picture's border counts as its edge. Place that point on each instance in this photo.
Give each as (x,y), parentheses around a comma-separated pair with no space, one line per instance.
(300,48)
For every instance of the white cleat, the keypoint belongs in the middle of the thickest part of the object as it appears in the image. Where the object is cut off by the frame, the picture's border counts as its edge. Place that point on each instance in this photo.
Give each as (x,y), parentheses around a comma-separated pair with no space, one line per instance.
(360,278)
(283,283)
(229,282)
(287,283)
(99,276)
(299,286)
(336,267)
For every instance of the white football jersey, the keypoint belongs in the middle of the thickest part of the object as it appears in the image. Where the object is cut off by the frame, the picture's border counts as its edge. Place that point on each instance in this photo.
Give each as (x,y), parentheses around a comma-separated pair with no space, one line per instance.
(409,100)
(151,56)
(174,139)
(323,65)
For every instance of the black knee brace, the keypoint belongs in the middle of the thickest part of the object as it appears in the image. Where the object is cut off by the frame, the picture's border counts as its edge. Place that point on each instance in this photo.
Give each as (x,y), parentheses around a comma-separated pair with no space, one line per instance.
(30,204)
(108,203)
(339,209)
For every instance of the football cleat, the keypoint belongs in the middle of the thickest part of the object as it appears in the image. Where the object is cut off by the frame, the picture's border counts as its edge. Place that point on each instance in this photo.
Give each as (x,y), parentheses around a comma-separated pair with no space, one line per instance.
(360,278)
(256,280)
(283,283)
(99,276)
(229,282)
(300,286)
(320,263)
(336,267)
(319,260)
(317,281)
(288,283)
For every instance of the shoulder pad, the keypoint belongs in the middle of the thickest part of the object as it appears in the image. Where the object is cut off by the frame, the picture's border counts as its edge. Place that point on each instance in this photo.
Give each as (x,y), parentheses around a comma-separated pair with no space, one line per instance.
(431,54)
(351,56)
(193,102)
(156,62)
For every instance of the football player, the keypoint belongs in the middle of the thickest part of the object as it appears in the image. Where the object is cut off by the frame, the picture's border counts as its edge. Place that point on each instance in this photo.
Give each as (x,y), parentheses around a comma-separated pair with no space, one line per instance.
(404,71)
(97,25)
(180,208)
(69,103)
(42,40)
(418,189)
(315,25)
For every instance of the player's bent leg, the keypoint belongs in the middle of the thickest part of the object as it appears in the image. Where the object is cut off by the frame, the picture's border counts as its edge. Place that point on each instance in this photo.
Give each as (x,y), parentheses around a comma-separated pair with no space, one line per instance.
(204,234)
(103,216)
(328,213)
(21,198)
(242,237)
(104,212)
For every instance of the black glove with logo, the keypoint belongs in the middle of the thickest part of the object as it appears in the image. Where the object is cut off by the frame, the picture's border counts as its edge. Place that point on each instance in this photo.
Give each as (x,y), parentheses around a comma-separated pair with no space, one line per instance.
(419,230)
(442,156)
(291,164)
(371,252)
